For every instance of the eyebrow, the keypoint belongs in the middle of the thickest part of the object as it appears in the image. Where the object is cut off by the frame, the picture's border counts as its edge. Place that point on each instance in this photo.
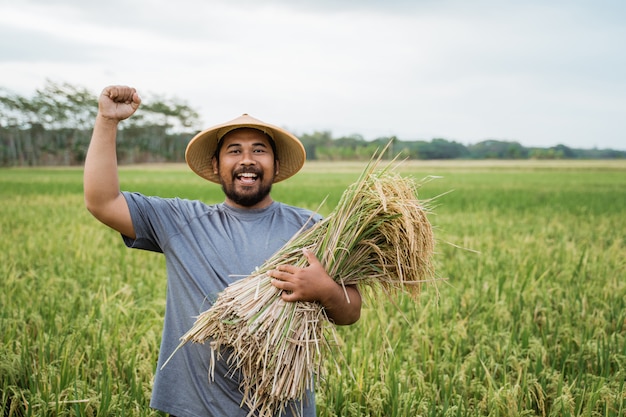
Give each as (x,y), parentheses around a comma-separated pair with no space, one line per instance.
(236,144)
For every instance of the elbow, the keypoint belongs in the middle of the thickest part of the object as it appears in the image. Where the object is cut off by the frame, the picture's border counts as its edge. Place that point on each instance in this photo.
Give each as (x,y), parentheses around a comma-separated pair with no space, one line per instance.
(356,316)
(350,312)
(90,198)
(349,320)
(100,204)
(91,206)
(88,204)
(100,209)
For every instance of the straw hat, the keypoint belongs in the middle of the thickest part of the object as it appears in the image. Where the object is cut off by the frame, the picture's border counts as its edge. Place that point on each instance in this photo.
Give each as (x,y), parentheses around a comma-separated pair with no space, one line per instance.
(201,148)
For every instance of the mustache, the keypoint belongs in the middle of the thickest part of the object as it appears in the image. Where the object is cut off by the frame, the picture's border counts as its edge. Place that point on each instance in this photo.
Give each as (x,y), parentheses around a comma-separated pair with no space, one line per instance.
(248,170)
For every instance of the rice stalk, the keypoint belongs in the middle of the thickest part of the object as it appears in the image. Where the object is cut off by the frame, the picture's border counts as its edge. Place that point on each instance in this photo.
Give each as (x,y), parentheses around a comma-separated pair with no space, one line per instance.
(378,236)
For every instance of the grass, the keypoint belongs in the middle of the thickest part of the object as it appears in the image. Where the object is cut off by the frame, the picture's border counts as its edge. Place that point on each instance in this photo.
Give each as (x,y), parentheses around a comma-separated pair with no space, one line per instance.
(531,322)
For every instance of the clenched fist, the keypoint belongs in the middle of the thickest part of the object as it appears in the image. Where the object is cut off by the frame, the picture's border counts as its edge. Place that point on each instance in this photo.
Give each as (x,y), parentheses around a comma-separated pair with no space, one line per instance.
(118,102)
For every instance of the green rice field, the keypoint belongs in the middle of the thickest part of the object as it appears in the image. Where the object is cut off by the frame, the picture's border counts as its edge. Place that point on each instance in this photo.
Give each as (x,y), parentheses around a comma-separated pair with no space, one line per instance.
(527,318)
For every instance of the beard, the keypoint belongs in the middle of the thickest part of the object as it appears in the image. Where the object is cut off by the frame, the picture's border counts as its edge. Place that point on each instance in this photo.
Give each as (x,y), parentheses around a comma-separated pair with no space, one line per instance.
(249,198)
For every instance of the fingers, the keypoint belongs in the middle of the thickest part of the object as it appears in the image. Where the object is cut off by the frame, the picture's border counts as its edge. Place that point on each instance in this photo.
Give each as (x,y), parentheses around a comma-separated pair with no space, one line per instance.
(282,280)
(122,94)
(289,296)
(287,272)
(286,287)
(298,283)
(118,102)
(286,269)
(310,256)
(281,285)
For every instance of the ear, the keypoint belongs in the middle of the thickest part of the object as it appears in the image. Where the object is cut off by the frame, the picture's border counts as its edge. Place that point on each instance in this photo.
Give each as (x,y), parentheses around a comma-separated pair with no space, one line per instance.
(215,165)
(276,166)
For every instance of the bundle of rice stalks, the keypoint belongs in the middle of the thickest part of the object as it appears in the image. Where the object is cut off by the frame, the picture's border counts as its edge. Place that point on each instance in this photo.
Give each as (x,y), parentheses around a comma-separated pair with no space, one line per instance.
(378,236)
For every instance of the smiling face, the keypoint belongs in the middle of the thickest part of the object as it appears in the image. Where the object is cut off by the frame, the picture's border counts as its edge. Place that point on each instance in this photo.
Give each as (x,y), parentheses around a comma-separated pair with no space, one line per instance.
(246,166)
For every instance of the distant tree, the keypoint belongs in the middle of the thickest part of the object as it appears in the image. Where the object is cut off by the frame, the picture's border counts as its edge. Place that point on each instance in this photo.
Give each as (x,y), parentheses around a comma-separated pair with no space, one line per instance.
(53,127)
(441,149)
(173,115)
(564,151)
(64,106)
(312,142)
(496,149)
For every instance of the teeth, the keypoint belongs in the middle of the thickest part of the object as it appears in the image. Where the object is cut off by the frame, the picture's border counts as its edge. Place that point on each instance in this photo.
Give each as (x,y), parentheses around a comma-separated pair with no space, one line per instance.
(248,175)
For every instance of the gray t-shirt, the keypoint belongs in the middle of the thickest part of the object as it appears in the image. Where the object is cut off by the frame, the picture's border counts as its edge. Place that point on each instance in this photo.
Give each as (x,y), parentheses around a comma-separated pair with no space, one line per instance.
(206,248)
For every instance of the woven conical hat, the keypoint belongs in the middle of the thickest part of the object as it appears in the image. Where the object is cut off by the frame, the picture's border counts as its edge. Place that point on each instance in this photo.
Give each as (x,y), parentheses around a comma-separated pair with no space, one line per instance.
(201,148)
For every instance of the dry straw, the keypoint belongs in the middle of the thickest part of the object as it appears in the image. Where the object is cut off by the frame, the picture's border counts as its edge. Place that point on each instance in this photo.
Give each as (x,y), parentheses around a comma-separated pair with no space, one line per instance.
(378,236)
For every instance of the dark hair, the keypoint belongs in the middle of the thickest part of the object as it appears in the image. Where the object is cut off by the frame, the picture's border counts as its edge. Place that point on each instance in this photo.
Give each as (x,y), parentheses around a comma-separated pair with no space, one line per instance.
(220,142)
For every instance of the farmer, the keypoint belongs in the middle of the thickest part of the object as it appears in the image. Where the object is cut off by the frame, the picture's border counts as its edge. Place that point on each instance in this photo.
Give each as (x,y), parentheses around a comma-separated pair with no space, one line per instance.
(207,247)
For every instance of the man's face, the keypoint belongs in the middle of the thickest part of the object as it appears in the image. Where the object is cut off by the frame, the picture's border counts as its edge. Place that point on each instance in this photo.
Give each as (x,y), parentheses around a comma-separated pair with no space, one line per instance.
(246,168)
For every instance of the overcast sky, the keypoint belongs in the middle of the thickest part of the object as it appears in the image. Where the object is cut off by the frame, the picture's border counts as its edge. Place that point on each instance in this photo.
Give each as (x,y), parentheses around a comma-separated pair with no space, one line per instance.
(539,72)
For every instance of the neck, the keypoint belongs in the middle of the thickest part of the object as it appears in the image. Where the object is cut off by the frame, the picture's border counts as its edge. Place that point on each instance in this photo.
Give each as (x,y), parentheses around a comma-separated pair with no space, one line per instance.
(266,202)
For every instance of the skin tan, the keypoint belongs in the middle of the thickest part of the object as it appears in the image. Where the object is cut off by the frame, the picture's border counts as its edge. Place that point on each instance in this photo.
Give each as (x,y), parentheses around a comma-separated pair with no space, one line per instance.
(244,148)
(100,180)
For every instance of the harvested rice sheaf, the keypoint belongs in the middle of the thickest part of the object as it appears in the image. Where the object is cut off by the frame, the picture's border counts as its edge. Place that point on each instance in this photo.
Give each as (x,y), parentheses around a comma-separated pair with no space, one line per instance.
(378,236)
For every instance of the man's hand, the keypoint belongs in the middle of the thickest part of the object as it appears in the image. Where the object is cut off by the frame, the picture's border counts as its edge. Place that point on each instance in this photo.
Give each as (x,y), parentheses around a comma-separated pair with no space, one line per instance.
(312,283)
(118,102)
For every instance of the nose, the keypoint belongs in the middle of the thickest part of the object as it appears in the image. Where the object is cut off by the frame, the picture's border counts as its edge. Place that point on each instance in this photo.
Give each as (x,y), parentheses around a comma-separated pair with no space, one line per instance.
(247,158)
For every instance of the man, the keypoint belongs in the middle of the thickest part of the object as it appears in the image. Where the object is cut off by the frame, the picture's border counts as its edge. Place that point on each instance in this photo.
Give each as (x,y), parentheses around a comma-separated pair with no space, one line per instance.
(208,247)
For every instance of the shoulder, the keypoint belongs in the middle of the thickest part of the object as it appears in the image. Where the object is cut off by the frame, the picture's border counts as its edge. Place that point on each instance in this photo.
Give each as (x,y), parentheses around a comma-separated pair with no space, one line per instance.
(175,205)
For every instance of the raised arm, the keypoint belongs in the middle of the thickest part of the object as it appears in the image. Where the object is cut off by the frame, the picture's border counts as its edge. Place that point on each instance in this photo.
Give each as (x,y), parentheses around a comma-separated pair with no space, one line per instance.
(102,193)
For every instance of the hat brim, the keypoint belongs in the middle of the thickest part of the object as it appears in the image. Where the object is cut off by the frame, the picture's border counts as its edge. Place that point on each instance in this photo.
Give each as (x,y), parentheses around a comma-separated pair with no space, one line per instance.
(200,150)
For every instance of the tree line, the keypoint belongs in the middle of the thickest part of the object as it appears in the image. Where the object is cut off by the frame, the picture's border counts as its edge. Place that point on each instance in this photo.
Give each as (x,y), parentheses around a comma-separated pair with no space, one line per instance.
(53,127)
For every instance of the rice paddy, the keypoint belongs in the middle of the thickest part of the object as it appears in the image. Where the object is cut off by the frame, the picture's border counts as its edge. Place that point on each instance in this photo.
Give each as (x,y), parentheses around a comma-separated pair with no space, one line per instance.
(529,320)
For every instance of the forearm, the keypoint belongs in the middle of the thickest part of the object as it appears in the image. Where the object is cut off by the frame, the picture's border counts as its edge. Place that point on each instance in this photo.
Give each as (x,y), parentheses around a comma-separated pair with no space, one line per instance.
(343,307)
